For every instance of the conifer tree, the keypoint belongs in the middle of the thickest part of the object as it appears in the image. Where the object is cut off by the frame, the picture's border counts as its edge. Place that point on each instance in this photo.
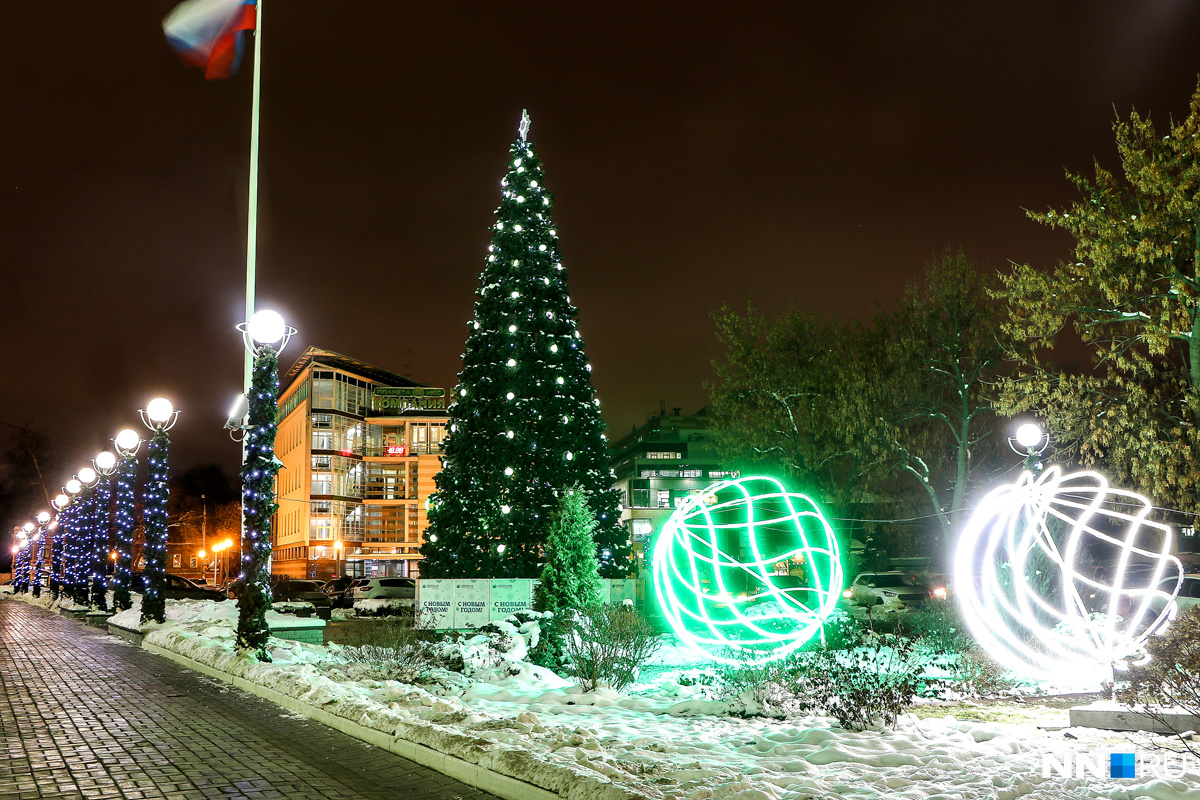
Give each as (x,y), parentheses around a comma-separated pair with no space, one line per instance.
(525,422)
(570,579)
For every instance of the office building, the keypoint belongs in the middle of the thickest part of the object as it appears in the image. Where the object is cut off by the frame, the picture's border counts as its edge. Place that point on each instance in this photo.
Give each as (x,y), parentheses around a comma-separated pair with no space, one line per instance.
(360,447)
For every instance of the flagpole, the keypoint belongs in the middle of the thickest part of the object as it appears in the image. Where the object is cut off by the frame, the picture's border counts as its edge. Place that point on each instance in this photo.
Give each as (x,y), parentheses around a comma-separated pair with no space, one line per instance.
(252,216)
(252,236)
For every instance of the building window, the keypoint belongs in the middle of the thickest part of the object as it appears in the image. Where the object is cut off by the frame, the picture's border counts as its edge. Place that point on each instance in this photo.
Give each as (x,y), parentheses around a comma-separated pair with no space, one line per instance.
(662,454)
(640,498)
(664,498)
(691,473)
(723,473)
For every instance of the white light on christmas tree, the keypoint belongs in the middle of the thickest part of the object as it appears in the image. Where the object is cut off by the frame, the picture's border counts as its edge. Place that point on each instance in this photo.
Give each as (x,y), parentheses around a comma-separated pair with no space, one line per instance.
(505,509)
(512,328)
(512,362)
(510,395)
(508,471)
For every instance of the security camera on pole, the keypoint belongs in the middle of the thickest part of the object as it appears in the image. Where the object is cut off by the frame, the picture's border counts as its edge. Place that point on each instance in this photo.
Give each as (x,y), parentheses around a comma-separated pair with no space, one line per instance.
(265,335)
(127,443)
(159,416)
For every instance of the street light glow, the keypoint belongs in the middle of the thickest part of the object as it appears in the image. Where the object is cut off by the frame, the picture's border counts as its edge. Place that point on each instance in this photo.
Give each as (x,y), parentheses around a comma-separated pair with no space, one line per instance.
(87,475)
(159,410)
(105,461)
(266,327)
(74,486)
(128,440)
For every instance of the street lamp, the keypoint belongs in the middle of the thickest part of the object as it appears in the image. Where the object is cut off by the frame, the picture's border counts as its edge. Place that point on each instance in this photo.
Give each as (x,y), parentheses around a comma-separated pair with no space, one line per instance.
(102,524)
(159,416)
(127,443)
(43,538)
(1030,441)
(337,550)
(264,336)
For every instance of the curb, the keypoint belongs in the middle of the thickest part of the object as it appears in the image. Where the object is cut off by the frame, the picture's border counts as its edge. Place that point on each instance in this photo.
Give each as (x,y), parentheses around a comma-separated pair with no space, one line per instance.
(503,786)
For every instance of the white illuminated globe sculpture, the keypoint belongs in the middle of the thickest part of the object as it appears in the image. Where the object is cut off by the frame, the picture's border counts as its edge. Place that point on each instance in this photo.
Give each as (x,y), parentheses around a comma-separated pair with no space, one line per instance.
(1063,578)
(266,327)
(159,410)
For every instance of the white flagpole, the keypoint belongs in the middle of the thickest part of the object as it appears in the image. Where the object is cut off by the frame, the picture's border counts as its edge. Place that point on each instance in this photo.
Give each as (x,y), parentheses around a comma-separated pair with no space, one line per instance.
(252,215)
(252,235)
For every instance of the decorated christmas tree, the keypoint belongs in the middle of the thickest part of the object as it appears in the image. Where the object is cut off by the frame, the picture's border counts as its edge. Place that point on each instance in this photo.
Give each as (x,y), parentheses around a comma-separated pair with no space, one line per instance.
(123,544)
(525,421)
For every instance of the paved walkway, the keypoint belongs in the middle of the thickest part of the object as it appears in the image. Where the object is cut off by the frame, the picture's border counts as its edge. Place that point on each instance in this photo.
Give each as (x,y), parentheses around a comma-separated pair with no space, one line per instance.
(85,715)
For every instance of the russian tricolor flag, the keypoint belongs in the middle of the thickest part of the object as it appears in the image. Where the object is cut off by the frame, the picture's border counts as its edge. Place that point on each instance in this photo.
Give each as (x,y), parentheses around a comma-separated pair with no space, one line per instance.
(208,33)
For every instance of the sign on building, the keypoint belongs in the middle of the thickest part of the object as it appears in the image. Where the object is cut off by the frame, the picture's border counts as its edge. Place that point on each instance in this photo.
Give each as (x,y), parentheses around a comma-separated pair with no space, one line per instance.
(470,602)
(398,398)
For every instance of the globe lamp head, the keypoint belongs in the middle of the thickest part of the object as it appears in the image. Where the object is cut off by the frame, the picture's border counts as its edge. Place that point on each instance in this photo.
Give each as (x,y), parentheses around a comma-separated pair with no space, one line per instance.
(27,527)
(128,439)
(266,327)
(74,486)
(159,410)
(43,517)
(106,461)
(1029,435)
(87,475)
(61,500)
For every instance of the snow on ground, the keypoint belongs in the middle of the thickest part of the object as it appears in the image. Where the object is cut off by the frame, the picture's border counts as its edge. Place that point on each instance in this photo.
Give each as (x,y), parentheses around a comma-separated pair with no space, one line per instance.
(656,740)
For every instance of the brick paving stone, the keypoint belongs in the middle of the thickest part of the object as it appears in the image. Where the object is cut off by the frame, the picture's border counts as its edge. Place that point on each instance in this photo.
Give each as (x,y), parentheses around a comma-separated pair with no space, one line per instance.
(85,716)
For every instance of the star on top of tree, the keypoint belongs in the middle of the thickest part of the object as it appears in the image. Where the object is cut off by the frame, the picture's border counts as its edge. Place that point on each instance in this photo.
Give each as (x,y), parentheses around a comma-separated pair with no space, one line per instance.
(524,126)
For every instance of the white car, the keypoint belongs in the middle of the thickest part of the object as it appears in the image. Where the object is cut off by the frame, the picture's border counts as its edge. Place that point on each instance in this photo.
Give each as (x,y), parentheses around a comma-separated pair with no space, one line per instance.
(882,588)
(8,588)
(386,588)
(1189,592)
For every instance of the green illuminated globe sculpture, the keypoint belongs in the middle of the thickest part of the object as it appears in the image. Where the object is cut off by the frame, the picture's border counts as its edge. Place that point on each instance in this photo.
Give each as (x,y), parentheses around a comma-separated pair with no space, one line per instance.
(746,570)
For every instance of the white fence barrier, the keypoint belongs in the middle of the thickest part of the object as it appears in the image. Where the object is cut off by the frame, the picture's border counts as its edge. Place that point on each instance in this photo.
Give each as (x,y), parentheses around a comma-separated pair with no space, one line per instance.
(460,603)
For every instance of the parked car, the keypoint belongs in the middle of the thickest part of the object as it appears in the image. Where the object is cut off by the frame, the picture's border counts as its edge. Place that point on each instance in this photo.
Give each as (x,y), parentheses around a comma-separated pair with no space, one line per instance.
(303,591)
(177,588)
(879,588)
(389,588)
(1189,592)
(8,587)
(340,590)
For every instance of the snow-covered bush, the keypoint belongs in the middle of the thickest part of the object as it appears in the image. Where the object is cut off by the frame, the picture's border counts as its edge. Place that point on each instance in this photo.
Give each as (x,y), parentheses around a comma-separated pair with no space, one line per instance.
(1171,678)
(392,649)
(862,685)
(385,607)
(607,643)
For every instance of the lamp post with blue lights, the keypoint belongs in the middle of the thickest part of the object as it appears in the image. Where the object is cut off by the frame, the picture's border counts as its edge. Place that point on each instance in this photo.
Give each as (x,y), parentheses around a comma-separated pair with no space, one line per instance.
(265,335)
(159,416)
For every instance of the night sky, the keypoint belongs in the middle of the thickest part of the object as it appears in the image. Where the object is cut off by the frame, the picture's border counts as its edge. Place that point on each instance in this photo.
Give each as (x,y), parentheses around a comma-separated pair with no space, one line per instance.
(700,152)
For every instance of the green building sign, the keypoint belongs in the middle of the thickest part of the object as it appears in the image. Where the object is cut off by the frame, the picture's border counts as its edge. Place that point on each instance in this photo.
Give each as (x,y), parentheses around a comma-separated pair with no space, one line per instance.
(400,398)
